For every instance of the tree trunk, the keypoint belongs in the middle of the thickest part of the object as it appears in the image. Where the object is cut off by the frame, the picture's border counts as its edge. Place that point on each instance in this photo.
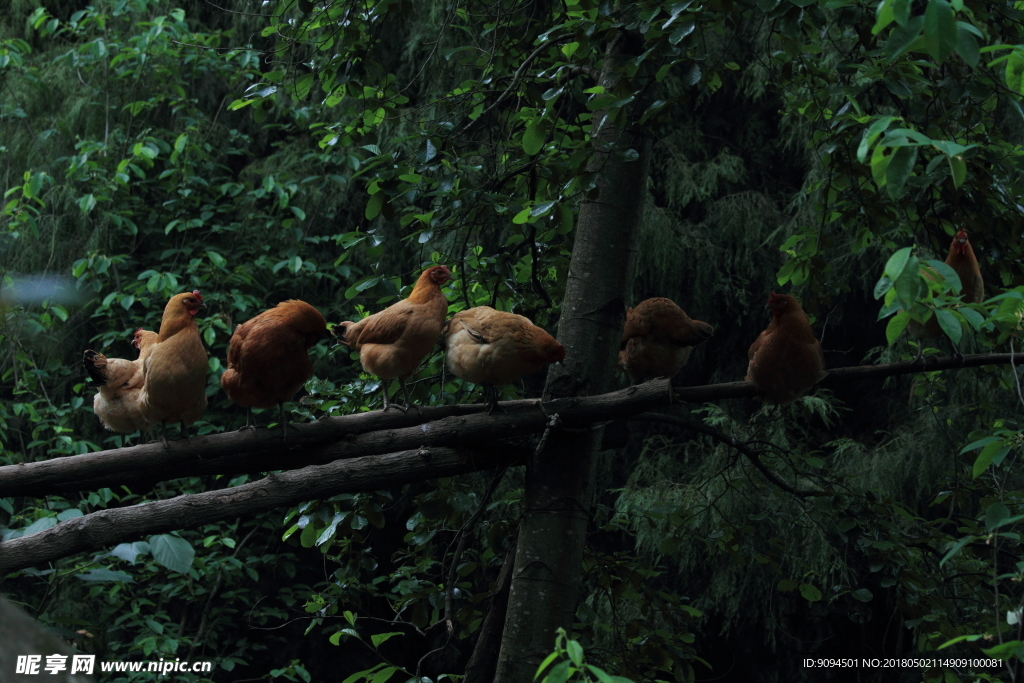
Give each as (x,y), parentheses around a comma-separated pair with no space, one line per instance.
(559,482)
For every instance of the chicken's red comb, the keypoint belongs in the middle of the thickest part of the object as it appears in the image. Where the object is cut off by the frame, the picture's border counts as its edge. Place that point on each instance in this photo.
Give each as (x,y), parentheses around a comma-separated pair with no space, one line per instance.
(196,294)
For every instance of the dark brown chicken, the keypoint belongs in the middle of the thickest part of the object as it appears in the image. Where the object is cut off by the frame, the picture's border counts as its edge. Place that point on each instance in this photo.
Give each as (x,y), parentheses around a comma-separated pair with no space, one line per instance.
(962,260)
(393,342)
(658,339)
(490,347)
(268,359)
(786,359)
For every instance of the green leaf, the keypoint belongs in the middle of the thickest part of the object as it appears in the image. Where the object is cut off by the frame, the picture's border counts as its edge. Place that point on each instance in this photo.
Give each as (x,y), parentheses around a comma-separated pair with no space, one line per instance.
(901,11)
(883,285)
(575,652)
(862,594)
(522,217)
(901,164)
(987,457)
(908,285)
(533,138)
(949,325)
(871,134)
(967,44)
(958,170)
(955,549)
(948,275)
(897,262)
(940,32)
(105,575)
(786,585)
(87,203)
(374,206)
(896,325)
(810,592)
(995,515)
(173,552)
(379,638)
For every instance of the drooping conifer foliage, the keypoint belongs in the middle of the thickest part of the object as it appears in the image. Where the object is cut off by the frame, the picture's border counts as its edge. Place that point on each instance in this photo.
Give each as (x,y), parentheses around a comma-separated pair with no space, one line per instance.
(330,151)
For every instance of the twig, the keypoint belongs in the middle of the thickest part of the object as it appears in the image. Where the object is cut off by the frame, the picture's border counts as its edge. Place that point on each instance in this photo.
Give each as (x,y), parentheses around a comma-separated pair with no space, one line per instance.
(515,79)
(752,455)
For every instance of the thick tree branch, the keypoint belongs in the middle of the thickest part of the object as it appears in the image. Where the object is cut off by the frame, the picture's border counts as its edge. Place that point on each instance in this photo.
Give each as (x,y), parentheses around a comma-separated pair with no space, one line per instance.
(108,527)
(363,434)
(318,443)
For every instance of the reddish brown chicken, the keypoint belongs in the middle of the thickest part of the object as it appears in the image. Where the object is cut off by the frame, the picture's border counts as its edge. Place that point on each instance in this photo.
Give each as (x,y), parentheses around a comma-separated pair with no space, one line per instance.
(490,347)
(786,359)
(393,342)
(268,357)
(962,260)
(174,388)
(120,383)
(658,339)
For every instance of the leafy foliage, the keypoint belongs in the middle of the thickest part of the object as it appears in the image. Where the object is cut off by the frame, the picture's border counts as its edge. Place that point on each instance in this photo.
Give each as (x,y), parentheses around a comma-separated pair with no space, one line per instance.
(329,150)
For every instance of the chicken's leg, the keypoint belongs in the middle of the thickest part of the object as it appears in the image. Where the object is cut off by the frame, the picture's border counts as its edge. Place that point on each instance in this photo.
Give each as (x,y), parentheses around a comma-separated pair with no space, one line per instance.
(491,399)
(250,423)
(388,404)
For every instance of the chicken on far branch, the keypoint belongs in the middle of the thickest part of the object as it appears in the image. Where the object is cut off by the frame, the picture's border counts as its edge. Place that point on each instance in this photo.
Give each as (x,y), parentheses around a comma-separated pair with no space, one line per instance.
(268,357)
(786,359)
(962,260)
(658,339)
(490,347)
(174,388)
(393,342)
(120,384)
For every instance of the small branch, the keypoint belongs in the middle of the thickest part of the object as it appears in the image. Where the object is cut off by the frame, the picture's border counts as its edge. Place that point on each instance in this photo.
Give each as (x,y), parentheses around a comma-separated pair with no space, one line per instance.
(515,80)
(449,597)
(751,454)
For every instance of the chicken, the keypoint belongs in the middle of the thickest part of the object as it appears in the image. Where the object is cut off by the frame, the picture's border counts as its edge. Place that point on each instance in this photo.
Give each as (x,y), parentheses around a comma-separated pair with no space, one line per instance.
(174,385)
(120,383)
(658,339)
(268,358)
(962,260)
(393,342)
(786,359)
(492,348)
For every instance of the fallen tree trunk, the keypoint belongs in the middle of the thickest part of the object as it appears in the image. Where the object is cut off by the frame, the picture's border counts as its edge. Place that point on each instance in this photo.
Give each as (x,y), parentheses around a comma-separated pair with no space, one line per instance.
(105,528)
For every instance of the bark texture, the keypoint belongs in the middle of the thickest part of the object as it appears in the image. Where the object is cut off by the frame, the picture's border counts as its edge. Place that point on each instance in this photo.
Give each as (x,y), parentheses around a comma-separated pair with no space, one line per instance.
(353,436)
(559,480)
(108,527)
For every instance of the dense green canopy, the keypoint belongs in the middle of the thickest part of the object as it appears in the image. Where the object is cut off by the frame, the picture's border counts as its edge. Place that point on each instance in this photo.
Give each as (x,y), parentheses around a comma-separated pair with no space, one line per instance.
(328,151)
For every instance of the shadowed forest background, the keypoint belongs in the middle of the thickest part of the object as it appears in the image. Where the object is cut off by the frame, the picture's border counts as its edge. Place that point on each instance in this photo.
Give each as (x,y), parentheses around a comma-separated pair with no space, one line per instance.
(330,151)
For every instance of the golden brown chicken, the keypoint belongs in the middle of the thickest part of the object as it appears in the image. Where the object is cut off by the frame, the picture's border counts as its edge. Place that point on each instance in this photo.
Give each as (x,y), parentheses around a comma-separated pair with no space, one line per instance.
(393,342)
(268,359)
(962,260)
(786,359)
(116,403)
(174,385)
(658,339)
(490,347)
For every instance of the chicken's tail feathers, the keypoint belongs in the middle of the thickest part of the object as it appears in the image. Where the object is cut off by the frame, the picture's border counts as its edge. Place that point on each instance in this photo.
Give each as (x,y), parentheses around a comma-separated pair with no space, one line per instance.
(340,332)
(695,332)
(96,365)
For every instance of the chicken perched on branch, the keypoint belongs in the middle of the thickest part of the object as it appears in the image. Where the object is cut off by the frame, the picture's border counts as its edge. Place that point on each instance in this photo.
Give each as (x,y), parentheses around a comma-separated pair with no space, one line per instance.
(786,359)
(174,385)
(658,339)
(490,347)
(393,342)
(268,359)
(120,383)
(962,260)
